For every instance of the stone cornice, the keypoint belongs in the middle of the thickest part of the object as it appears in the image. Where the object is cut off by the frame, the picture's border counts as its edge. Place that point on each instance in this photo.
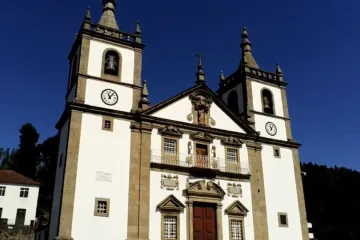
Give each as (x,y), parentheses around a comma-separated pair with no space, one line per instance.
(139,117)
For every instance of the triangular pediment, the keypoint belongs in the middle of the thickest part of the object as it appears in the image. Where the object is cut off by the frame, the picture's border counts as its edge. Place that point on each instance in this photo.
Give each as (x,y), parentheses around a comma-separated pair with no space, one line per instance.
(181,108)
(205,188)
(236,208)
(171,203)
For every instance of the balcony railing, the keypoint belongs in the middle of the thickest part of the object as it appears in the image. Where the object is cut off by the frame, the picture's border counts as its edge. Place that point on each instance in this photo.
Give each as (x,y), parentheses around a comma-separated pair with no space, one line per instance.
(199,161)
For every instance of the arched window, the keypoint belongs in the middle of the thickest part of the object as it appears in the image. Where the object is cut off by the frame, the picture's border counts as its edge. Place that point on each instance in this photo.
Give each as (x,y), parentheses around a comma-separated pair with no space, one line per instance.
(112,63)
(268,101)
(233,101)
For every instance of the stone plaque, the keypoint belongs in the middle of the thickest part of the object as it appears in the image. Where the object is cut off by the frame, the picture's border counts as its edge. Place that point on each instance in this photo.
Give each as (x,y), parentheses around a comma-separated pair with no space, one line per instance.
(169,182)
(234,190)
(103,176)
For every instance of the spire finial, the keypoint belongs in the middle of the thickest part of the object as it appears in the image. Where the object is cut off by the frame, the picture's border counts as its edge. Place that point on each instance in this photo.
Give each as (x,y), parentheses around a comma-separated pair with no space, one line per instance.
(247,58)
(144,102)
(278,69)
(87,19)
(138,29)
(279,72)
(222,77)
(108,17)
(200,75)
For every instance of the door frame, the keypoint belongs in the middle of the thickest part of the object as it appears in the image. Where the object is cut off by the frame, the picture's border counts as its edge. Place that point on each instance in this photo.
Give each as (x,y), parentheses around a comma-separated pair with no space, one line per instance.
(204,192)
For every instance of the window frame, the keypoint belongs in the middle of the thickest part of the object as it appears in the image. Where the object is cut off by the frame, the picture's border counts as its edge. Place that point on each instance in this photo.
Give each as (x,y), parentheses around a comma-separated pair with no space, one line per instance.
(279,219)
(170,214)
(104,119)
(110,77)
(231,167)
(277,149)
(272,100)
(168,158)
(2,191)
(237,218)
(25,192)
(96,213)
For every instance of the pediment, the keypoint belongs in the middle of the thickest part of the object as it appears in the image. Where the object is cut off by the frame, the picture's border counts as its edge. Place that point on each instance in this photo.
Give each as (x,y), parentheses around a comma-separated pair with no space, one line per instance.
(236,208)
(171,203)
(170,130)
(232,141)
(205,188)
(202,136)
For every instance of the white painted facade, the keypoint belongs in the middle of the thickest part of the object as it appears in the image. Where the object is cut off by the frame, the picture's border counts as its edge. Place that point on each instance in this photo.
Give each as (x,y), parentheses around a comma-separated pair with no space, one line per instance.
(104,152)
(12,201)
(103,169)
(280,192)
(184,107)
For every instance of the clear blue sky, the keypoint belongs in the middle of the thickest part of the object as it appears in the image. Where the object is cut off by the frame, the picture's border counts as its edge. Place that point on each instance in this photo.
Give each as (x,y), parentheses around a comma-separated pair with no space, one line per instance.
(316,42)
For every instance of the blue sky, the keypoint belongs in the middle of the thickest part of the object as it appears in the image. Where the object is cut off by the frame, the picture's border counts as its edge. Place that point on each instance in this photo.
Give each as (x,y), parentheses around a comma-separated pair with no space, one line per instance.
(317,44)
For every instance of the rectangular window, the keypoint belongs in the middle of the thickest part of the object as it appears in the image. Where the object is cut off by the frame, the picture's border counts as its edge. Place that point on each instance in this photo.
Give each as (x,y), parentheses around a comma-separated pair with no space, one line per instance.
(108,124)
(170,227)
(0,212)
(170,146)
(102,207)
(276,152)
(232,155)
(283,220)
(236,229)
(2,191)
(24,192)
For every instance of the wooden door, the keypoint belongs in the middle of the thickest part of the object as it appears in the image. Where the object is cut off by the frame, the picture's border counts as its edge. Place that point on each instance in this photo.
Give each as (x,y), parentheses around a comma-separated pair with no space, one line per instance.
(204,222)
(201,155)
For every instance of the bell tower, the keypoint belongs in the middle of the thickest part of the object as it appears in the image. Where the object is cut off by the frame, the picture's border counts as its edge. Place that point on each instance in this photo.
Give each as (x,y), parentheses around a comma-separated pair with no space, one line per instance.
(104,78)
(104,57)
(257,96)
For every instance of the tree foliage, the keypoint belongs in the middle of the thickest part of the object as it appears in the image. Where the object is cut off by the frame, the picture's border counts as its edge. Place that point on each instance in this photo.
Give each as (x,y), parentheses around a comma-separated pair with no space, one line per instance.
(6,158)
(25,159)
(332,197)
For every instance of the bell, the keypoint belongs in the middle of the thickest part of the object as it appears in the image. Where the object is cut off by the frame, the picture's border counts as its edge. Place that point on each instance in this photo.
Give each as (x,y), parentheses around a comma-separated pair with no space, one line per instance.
(266,103)
(111,63)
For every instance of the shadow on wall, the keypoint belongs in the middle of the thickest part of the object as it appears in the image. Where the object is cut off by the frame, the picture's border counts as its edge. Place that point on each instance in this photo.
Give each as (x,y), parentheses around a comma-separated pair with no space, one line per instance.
(17,233)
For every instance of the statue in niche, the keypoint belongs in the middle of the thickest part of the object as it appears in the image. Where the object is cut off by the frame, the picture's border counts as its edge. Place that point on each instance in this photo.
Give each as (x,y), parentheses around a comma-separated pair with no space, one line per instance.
(201,116)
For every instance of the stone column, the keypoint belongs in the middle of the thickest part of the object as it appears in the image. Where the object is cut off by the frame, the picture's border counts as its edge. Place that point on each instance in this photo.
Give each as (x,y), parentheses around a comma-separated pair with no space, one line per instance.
(219,221)
(258,192)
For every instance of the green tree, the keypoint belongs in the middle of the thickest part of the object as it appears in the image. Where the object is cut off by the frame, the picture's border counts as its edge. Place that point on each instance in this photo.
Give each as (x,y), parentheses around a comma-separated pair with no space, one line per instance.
(25,159)
(6,158)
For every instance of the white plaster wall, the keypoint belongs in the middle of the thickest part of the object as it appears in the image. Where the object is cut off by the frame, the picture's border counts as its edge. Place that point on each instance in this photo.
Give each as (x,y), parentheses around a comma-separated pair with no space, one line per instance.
(257,101)
(260,122)
(107,152)
(280,193)
(94,89)
(157,195)
(96,56)
(239,91)
(156,140)
(55,210)
(179,110)
(12,201)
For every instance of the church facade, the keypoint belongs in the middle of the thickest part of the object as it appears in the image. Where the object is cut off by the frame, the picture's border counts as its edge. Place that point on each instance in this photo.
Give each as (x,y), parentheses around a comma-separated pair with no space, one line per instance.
(200,165)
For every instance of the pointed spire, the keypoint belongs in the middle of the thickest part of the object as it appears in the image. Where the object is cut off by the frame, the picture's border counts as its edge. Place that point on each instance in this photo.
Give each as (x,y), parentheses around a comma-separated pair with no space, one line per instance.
(279,72)
(87,19)
(278,69)
(222,77)
(138,29)
(247,58)
(200,75)
(108,17)
(144,102)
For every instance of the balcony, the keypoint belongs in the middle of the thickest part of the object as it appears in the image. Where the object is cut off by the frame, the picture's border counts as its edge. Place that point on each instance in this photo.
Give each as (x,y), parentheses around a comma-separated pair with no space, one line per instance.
(204,162)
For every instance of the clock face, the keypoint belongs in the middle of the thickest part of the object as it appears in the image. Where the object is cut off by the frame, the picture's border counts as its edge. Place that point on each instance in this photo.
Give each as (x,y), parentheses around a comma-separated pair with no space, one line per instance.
(109,97)
(271,128)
